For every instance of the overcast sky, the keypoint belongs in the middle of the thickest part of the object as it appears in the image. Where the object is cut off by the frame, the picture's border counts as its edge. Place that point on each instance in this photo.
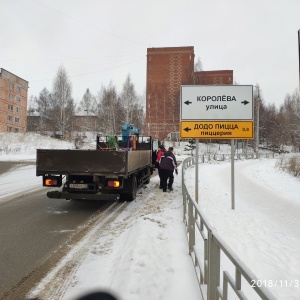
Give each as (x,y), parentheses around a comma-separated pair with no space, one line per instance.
(98,41)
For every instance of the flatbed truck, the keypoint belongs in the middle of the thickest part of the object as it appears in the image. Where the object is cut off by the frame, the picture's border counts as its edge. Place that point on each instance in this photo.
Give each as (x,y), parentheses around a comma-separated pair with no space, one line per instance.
(113,171)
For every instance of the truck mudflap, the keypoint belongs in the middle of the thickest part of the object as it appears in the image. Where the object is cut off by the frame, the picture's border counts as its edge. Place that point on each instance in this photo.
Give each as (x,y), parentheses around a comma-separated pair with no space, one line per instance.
(82,196)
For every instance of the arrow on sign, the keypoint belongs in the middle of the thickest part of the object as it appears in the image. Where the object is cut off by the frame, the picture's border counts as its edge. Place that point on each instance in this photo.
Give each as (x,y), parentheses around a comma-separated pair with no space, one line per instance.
(245,102)
(188,102)
(187,129)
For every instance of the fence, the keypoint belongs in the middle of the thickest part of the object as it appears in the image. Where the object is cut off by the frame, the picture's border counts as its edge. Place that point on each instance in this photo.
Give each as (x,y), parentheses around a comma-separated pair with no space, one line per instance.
(223,157)
(207,249)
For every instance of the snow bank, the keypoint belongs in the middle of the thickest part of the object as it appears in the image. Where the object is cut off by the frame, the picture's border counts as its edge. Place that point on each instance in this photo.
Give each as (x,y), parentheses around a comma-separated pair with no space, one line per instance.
(22,146)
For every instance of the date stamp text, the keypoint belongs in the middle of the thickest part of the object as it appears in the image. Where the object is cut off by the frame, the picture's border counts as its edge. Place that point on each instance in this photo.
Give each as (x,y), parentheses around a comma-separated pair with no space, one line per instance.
(284,283)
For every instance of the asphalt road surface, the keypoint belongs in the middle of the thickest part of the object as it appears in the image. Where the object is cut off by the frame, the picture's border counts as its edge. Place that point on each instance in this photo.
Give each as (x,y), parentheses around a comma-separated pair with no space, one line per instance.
(5,166)
(32,229)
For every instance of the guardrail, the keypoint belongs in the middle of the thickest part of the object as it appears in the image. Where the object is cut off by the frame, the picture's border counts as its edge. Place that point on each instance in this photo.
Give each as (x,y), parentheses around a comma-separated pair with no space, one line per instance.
(207,249)
(223,157)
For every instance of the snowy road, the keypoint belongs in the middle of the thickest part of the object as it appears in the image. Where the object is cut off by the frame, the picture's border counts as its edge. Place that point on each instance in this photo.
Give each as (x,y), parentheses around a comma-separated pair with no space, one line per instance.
(33,228)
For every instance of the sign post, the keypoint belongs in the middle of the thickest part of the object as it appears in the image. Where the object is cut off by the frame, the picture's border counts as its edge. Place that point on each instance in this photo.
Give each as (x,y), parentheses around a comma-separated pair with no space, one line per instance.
(216,112)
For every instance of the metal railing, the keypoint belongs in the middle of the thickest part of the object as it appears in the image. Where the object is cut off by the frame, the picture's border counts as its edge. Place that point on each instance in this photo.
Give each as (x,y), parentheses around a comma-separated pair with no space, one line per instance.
(223,157)
(214,261)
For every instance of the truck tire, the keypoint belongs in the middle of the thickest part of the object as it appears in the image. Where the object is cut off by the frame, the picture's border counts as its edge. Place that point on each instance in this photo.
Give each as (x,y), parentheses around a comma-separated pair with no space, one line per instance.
(130,195)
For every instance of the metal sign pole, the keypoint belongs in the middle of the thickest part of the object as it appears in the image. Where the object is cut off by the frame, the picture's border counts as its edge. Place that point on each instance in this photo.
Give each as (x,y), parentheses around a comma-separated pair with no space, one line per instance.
(196,170)
(232,175)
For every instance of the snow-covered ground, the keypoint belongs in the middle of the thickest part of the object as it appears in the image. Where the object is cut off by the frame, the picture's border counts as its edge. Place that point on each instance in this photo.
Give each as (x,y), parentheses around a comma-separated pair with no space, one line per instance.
(264,228)
(144,253)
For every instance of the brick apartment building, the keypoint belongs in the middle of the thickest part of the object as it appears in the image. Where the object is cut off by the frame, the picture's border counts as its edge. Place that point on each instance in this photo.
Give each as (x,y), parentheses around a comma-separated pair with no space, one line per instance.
(13,102)
(167,69)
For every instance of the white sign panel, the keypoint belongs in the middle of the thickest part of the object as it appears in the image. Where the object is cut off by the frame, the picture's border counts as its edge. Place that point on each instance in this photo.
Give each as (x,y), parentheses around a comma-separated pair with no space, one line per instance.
(216,102)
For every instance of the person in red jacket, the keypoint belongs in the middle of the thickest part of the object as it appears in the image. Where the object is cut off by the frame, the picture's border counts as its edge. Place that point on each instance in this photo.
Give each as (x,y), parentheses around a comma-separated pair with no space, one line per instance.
(160,152)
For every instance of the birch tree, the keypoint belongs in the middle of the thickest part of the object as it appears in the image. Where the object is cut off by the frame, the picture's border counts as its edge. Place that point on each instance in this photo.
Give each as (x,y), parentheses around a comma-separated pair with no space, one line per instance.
(88,104)
(129,100)
(62,104)
(291,118)
(107,107)
(43,108)
(198,65)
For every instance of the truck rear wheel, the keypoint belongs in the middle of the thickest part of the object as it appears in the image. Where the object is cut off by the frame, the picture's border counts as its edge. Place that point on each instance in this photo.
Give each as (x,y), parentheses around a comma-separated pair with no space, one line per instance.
(132,189)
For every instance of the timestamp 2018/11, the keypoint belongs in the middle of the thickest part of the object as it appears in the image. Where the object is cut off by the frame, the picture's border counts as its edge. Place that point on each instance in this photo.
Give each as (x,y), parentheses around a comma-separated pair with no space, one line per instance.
(287,283)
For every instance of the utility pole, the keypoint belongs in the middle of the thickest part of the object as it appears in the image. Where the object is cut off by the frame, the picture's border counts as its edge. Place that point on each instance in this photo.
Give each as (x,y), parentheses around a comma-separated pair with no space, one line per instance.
(257,122)
(299,55)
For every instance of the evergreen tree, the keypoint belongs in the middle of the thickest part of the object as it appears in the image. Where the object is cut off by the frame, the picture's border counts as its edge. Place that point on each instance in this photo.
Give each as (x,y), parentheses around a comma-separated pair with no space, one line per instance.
(190,146)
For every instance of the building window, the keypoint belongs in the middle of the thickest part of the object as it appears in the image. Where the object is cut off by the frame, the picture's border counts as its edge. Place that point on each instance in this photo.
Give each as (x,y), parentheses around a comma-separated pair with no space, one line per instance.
(18,99)
(18,89)
(11,86)
(9,129)
(10,107)
(11,96)
(18,109)
(17,120)
(9,118)
(16,130)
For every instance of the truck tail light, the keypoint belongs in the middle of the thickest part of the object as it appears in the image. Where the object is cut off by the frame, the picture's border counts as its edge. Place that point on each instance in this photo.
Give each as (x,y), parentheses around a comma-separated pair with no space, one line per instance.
(113,183)
(52,181)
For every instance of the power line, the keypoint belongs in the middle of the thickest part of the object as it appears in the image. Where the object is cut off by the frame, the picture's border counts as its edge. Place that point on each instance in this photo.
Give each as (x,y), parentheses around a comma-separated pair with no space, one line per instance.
(93,72)
(57,58)
(89,25)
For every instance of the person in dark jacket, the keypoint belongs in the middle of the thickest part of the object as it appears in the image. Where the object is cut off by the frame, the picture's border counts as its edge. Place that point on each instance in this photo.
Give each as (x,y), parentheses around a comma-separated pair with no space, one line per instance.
(171,150)
(167,167)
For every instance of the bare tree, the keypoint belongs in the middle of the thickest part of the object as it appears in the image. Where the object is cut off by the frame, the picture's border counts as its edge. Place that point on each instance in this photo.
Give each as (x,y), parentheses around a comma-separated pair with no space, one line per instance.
(107,106)
(32,105)
(87,110)
(62,104)
(138,114)
(32,124)
(291,118)
(270,126)
(88,104)
(43,108)
(198,65)
(129,100)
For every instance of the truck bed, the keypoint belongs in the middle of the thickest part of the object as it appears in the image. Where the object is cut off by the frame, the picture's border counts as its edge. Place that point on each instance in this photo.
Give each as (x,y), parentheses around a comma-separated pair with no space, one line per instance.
(90,162)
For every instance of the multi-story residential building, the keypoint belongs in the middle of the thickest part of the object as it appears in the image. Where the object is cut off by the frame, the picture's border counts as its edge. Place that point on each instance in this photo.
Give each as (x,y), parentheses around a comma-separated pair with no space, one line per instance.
(167,69)
(13,102)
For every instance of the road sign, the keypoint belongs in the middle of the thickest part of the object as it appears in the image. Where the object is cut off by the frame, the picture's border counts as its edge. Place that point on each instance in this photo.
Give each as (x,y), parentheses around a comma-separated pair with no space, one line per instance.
(216,129)
(216,102)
